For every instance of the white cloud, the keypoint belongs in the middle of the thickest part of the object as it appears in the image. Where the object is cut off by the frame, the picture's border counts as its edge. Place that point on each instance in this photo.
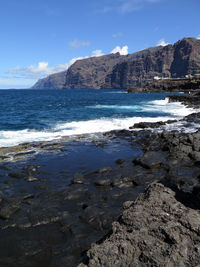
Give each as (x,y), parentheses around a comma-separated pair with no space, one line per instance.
(123,51)
(76,43)
(127,6)
(130,6)
(42,69)
(25,77)
(37,71)
(20,77)
(162,42)
(198,37)
(118,34)
(97,53)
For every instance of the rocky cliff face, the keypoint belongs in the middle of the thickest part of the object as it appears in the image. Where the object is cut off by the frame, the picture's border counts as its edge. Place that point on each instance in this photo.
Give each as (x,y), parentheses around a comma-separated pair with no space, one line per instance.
(92,72)
(121,72)
(54,81)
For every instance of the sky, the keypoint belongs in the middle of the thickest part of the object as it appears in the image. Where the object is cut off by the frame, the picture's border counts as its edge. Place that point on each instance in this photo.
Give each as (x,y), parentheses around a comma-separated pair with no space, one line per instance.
(41,37)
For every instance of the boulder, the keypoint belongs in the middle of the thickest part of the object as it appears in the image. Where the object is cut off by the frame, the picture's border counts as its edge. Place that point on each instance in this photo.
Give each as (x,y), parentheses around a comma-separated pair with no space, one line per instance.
(150,159)
(155,230)
(78,179)
(103,182)
(8,210)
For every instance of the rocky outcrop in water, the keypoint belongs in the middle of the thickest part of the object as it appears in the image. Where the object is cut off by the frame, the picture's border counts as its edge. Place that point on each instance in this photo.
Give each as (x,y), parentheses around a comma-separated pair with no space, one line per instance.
(121,72)
(155,230)
(191,100)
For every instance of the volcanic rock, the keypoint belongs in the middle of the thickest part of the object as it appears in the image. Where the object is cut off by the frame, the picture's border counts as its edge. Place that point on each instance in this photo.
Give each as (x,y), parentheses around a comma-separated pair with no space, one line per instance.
(155,230)
(150,159)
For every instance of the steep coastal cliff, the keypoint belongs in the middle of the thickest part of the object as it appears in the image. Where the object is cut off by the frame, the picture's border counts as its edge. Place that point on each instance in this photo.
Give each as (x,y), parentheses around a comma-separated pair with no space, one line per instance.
(124,72)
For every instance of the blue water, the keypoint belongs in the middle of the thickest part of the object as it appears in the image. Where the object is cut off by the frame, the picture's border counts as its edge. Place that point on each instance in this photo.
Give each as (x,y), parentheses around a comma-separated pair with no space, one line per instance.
(29,115)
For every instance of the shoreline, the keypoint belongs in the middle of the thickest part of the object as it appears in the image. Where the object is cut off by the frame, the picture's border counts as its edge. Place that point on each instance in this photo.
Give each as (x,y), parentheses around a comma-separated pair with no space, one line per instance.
(186,85)
(41,146)
(53,224)
(70,128)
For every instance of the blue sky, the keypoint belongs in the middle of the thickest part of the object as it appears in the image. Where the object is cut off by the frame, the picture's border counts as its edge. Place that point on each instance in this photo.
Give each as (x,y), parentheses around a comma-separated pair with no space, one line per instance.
(41,37)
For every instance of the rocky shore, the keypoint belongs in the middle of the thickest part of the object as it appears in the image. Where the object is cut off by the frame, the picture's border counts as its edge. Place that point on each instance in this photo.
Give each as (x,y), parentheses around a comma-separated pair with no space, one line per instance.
(169,85)
(155,230)
(50,217)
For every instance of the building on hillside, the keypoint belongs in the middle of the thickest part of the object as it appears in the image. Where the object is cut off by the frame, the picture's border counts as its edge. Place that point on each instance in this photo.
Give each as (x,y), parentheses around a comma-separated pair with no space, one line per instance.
(157,78)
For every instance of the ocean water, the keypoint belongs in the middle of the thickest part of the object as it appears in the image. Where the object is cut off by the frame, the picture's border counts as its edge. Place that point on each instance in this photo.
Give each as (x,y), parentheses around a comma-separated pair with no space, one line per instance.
(37,115)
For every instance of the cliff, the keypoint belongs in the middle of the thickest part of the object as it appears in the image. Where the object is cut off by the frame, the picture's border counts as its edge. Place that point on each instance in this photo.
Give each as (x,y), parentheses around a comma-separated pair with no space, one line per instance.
(92,72)
(54,81)
(124,72)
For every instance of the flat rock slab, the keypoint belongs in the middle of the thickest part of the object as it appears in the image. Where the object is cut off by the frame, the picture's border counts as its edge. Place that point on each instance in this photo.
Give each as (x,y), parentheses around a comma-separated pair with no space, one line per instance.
(155,230)
(151,159)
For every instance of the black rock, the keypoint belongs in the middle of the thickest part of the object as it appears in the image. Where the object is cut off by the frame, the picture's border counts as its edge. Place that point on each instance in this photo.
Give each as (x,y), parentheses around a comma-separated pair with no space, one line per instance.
(103,182)
(78,179)
(150,159)
(119,161)
(150,232)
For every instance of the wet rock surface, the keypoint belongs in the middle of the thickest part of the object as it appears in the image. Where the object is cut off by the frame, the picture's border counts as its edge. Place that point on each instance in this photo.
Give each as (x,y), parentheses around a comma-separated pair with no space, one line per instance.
(161,228)
(143,125)
(49,215)
(155,230)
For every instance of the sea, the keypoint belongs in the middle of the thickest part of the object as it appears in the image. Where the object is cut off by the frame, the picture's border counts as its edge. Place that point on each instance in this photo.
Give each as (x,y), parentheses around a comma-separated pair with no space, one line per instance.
(45,115)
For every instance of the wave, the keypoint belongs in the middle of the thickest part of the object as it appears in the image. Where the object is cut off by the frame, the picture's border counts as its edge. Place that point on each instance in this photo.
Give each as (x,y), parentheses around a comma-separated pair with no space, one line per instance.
(10,138)
(157,106)
(169,111)
(161,102)
(182,126)
(118,107)
(176,109)
(117,92)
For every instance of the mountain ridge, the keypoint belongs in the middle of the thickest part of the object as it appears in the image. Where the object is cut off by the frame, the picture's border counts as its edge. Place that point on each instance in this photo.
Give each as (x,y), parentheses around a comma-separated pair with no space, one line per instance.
(115,71)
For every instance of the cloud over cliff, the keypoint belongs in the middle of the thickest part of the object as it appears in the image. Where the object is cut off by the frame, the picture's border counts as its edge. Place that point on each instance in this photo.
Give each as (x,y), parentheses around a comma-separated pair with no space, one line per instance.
(123,51)
(162,42)
(42,69)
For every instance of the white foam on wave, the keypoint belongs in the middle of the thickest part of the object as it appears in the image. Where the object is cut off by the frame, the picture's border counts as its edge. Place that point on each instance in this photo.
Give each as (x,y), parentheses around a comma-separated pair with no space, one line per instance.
(175,111)
(181,126)
(10,138)
(161,102)
(117,92)
(134,107)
